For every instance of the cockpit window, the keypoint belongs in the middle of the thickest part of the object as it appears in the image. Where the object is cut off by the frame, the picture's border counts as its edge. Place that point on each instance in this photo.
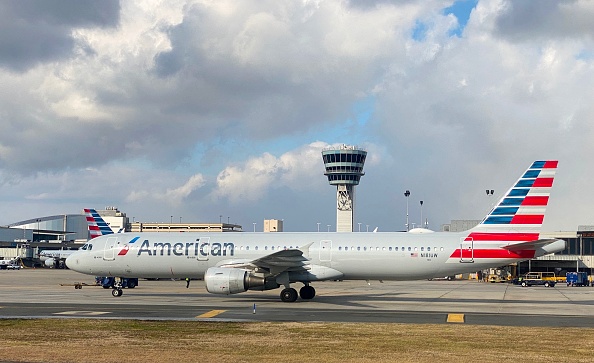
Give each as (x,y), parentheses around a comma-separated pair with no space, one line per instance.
(87,246)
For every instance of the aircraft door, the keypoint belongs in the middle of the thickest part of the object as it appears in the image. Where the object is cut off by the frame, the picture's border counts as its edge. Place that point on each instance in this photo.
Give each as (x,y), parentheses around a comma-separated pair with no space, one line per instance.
(203,248)
(325,250)
(109,251)
(466,250)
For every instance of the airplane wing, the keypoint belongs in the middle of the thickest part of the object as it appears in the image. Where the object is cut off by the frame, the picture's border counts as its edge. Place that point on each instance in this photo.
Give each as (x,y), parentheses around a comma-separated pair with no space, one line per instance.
(530,245)
(275,263)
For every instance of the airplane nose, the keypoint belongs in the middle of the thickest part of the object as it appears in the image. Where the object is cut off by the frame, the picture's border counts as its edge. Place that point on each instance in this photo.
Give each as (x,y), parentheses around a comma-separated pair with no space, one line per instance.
(71,262)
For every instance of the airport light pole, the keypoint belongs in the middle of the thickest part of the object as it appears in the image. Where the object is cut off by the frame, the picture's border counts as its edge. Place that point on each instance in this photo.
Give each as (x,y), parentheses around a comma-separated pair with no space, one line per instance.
(254,223)
(407,194)
(171,220)
(328,227)
(422,224)
(318,223)
(359,223)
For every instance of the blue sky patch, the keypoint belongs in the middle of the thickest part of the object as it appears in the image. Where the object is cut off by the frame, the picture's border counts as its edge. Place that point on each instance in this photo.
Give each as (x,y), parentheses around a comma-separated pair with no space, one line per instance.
(461,10)
(419,32)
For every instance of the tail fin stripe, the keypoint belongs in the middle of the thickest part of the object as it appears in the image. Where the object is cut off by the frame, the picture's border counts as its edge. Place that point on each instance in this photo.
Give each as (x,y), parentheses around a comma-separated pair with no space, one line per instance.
(538,164)
(535,200)
(518,192)
(543,183)
(551,164)
(531,174)
(502,236)
(527,219)
(512,201)
(504,211)
(498,220)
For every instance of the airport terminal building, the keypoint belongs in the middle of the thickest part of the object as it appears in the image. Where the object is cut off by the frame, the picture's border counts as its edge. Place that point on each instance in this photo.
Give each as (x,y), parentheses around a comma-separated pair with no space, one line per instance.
(26,238)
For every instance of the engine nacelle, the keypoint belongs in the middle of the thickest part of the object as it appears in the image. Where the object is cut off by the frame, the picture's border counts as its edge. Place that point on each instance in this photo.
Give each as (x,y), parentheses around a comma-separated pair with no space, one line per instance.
(225,281)
(50,262)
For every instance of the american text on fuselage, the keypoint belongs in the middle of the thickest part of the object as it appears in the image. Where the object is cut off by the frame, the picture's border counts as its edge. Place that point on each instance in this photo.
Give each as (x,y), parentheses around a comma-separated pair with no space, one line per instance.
(186,249)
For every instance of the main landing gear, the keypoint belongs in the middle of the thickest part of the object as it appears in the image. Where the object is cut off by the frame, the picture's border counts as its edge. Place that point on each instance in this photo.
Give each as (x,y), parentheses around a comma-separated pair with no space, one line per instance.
(289,294)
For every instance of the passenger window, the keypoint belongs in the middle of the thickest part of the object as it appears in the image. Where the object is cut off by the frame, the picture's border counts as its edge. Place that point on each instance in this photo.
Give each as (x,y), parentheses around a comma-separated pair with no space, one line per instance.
(428,249)
(358,248)
(410,249)
(441,249)
(390,249)
(422,249)
(364,248)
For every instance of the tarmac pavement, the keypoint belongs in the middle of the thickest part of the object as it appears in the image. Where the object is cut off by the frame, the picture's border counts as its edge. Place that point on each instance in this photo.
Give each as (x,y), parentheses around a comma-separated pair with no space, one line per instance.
(49,293)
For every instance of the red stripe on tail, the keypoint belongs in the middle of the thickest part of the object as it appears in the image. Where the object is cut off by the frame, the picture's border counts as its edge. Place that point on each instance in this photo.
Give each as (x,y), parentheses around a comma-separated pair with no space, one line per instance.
(527,219)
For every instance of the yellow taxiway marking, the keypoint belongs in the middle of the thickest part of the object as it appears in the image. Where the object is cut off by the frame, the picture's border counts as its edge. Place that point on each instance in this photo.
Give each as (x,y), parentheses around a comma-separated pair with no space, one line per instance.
(211,314)
(455,318)
(87,313)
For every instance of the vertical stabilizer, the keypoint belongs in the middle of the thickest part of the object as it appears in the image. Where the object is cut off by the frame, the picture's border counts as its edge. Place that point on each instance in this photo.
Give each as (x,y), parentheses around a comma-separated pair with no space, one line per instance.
(518,216)
(97,226)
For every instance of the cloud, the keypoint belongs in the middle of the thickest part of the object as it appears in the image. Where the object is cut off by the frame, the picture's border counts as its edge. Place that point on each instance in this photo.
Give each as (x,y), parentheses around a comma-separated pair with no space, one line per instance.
(204,109)
(248,182)
(33,32)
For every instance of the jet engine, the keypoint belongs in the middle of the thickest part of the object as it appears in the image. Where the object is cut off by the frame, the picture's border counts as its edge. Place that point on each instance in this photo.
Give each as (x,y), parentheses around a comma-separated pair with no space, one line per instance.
(50,262)
(225,281)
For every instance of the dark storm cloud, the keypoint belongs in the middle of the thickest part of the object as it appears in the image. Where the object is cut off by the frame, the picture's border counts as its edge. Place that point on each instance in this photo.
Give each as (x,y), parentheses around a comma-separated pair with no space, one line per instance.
(526,20)
(39,31)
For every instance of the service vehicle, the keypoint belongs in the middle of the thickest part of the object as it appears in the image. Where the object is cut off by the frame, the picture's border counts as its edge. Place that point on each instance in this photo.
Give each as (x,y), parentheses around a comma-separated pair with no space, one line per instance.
(546,279)
(577,279)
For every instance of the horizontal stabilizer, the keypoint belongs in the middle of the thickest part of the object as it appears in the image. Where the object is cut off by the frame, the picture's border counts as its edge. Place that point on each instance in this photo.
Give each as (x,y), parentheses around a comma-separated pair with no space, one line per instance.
(530,245)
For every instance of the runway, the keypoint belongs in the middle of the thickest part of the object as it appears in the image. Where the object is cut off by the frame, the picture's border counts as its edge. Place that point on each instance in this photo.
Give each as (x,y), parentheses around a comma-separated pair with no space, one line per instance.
(37,293)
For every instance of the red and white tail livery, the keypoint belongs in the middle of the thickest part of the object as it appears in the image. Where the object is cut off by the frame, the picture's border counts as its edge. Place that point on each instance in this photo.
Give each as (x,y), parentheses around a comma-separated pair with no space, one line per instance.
(512,228)
(97,226)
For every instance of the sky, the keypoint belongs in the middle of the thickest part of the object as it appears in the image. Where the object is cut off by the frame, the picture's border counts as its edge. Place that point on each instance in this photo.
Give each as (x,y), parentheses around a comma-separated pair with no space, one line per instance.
(207,111)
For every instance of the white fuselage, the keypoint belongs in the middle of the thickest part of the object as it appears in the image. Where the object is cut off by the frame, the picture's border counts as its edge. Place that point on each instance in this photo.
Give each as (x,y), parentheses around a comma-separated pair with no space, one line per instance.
(357,256)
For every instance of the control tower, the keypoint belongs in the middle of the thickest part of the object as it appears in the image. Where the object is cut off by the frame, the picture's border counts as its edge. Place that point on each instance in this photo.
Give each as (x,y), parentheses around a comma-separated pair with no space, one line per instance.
(344,168)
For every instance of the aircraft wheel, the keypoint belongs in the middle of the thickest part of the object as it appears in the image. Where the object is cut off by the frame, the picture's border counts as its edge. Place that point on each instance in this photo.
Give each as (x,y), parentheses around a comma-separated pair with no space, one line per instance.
(307,292)
(288,295)
(117,292)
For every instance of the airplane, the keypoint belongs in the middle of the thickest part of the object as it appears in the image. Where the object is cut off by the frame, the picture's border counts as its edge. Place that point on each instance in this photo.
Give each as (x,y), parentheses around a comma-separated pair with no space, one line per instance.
(97,227)
(233,263)
(54,258)
(10,264)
